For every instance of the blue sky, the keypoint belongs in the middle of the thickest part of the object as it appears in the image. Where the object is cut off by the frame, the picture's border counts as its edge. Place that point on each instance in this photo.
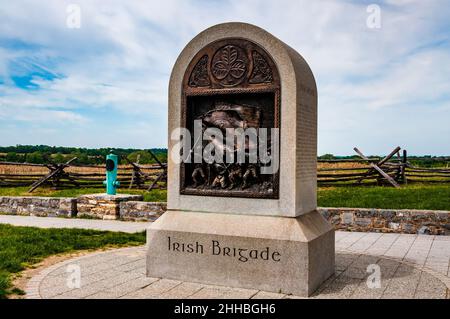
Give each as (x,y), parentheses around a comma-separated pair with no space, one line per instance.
(105,84)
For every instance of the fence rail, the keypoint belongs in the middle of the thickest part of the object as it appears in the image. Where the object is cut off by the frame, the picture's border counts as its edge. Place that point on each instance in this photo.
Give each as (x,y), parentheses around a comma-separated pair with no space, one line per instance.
(395,169)
(82,176)
(411,174)
(24,174)
(400,170)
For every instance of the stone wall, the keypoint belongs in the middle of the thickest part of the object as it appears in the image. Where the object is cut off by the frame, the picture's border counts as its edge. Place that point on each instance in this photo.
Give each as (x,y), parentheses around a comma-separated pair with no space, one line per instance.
(142,211)
(389,220)
(131,208)
(103,206)
(348,219)
(38,206)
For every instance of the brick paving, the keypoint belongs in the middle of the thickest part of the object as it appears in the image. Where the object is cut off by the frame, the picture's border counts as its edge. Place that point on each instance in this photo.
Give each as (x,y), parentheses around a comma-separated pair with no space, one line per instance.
(411,266)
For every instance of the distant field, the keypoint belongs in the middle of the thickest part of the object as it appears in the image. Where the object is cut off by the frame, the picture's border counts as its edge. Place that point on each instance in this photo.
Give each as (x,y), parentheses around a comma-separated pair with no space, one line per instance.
(415,196)
(23,169)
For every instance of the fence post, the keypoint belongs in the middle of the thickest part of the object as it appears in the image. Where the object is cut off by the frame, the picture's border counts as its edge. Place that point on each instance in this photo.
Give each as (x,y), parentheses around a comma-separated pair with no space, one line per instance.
(404,164)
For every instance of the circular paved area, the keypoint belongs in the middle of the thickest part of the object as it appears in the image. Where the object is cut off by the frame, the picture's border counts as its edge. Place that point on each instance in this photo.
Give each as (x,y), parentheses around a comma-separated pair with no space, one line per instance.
(121,273)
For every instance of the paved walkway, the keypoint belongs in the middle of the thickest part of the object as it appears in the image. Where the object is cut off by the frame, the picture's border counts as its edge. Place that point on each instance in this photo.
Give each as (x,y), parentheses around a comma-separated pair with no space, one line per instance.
(412,266)
(56,222)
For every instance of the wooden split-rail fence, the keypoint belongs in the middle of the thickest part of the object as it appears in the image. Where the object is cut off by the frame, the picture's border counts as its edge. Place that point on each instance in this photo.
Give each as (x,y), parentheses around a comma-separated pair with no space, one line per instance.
(394,170)
(69,175)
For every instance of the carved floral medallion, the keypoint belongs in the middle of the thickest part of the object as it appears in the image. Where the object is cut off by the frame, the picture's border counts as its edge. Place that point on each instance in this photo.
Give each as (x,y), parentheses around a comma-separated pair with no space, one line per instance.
(229,65)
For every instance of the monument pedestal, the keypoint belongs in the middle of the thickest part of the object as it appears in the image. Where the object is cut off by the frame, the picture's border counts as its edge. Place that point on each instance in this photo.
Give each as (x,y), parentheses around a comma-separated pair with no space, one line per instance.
(278,254)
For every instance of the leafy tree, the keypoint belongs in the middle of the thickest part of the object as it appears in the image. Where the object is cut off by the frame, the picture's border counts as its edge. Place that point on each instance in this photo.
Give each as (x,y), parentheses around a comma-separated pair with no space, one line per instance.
(12,157)
(59,158)
(36,158)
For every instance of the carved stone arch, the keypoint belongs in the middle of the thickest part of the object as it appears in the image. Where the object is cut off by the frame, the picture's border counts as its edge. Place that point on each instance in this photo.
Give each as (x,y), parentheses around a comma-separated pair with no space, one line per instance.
(231,63)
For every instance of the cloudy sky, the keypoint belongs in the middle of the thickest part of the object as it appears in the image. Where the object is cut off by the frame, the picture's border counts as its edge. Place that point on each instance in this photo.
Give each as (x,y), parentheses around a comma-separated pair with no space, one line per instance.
(105,84)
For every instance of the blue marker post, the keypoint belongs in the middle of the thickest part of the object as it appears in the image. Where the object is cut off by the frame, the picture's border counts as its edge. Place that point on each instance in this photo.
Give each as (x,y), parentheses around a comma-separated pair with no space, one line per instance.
(111,181)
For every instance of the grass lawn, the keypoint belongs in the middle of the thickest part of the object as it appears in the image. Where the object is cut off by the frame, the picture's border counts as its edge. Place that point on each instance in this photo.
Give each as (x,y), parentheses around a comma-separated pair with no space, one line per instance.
(21,247)
(155,195)
(415,196)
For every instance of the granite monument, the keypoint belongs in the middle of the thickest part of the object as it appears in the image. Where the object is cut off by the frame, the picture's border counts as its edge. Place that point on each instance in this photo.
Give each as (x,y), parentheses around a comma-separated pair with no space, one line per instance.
(248,221)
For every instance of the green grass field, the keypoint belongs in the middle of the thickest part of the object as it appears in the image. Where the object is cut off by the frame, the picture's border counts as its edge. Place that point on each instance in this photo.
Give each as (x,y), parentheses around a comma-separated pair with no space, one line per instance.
(416,196)
(413,196)
(21,247)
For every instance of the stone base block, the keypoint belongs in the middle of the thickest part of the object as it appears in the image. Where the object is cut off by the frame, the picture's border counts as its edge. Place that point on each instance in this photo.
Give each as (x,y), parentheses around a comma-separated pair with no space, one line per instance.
(103,206)
(278,254)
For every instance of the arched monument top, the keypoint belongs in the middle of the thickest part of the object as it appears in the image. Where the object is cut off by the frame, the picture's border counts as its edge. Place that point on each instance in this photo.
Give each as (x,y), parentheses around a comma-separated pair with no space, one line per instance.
(292,67)
(242,64)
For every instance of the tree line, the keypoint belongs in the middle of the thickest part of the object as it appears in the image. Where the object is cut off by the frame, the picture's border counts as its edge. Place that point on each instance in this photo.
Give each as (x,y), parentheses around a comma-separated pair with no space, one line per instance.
(42,154)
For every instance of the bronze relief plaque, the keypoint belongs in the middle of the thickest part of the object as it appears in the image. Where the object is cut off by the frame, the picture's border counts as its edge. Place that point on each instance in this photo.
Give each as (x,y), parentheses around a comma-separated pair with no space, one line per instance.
(231,84)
